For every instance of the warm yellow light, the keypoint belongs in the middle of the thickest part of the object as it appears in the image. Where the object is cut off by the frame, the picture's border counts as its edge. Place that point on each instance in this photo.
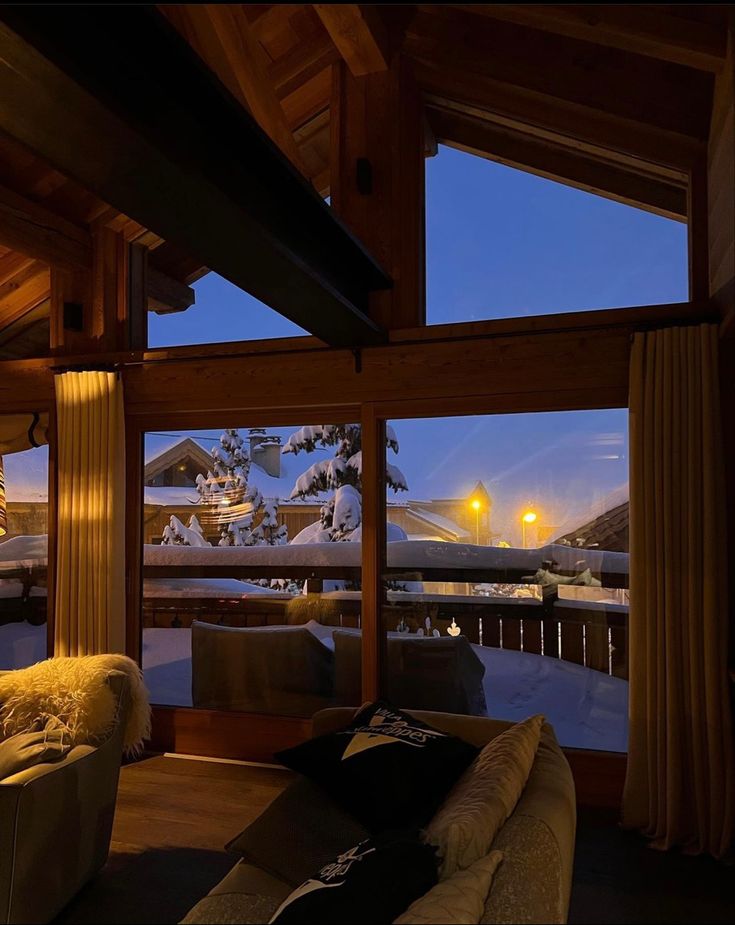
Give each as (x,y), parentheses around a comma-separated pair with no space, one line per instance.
(476,505)
(529,517)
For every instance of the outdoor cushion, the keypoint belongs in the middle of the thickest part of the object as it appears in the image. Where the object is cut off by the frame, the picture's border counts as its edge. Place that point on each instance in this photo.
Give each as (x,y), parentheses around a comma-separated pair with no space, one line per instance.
(284,670)
(423,672)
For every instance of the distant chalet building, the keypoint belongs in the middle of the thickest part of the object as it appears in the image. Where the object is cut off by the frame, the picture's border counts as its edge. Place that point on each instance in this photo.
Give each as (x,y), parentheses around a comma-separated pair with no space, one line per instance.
(169,480)
(608,531)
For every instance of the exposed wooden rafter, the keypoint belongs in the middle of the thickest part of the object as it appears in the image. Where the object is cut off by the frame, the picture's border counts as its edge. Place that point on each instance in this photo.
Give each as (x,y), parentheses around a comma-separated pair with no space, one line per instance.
(544,158)
(178,154)
(23,293)
(40,238)
(359,33)
(166,294)
(38,232)
(590,95)
(221,36)
(641,28)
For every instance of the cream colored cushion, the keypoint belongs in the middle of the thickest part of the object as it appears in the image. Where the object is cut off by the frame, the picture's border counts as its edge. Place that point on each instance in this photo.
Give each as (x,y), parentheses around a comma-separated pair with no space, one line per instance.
(459,900)
(484,797)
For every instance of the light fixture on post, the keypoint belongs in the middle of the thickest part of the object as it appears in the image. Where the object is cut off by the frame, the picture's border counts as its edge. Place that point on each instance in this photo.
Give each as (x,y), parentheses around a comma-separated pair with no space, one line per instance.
(530,517)
(3,504)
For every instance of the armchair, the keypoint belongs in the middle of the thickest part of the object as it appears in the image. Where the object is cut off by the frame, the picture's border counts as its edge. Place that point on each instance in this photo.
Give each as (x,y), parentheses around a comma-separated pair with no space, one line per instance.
(56,822)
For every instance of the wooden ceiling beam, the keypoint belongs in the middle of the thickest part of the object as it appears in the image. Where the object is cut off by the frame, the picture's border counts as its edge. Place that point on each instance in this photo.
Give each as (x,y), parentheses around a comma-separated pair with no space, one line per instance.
(640,28)
(24,293)
(222,37)
(578,127)
(543,158)
(37,232)
(167,295)
(177,153)
(11,264)
(359,34)
(40,238)
(557,71)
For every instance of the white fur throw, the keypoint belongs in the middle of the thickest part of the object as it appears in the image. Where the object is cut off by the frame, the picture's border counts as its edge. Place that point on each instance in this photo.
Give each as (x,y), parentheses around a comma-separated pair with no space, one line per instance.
(73,694)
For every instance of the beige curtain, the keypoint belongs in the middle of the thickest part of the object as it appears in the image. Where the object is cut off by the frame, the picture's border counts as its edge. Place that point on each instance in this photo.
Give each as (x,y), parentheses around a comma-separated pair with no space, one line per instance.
(90,575)
(679,785)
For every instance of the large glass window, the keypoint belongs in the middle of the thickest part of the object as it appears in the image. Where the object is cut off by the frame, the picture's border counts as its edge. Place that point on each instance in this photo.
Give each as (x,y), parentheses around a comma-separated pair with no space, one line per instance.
(251,561)
(504,243)
(506,592)
(221,312)
(23,557)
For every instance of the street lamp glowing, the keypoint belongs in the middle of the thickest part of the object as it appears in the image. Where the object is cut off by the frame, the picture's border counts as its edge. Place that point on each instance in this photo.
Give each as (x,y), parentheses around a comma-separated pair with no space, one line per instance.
(476,504)
(530,517)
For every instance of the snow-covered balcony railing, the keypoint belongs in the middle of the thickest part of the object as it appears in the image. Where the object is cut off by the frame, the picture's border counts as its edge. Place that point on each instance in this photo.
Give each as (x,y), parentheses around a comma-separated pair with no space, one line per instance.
(435,561)
(590,633)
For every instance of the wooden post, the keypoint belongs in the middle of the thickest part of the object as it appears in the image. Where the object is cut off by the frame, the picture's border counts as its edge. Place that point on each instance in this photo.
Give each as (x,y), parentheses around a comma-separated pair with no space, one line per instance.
(377,180)
(101,309)
(373,554)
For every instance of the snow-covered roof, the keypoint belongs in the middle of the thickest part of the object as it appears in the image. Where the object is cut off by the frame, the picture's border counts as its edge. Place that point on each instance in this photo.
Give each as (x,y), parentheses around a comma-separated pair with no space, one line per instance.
(442,523)
(584,516)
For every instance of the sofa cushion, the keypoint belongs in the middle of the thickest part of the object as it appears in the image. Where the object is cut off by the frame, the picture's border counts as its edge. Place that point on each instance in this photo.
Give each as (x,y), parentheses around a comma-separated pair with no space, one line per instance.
(370,883)
(460,900)
(306,820)
(469,819)
(386,768)
(27,749)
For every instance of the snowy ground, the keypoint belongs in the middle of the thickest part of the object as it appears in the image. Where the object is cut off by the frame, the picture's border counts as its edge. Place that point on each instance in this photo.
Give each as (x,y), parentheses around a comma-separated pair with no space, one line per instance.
(588,709)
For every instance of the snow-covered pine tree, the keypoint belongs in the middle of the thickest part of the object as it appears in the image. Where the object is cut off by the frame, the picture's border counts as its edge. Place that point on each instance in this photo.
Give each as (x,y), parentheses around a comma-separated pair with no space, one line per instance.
(341,515)
(176,534)
(237,505)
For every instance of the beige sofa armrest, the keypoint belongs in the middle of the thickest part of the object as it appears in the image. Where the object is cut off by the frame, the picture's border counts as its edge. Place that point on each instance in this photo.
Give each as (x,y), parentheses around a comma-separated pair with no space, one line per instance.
(55,826)
(28,775)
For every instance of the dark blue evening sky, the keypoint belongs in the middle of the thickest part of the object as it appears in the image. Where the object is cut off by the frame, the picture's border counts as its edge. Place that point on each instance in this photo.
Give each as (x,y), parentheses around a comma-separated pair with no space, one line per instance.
(499,243)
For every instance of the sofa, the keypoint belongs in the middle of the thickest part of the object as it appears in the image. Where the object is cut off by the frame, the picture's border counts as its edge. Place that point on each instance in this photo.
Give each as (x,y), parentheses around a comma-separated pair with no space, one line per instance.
(56,822)
(533,883)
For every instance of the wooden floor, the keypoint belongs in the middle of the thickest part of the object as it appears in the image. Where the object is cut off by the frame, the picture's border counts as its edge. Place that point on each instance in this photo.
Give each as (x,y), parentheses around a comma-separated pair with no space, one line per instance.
(174,816)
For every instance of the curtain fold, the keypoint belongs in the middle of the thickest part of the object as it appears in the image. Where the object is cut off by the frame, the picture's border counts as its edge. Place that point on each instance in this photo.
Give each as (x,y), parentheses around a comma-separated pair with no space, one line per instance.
(90,575)
(679,788)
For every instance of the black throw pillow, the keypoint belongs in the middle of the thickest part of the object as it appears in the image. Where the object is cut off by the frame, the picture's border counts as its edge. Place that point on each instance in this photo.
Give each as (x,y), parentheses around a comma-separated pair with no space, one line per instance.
(370,884)
(387,768)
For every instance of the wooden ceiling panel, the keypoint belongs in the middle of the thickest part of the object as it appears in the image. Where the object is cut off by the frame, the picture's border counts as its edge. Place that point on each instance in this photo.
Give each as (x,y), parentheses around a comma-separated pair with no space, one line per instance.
(674,35)
(666,96)
(309,100)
